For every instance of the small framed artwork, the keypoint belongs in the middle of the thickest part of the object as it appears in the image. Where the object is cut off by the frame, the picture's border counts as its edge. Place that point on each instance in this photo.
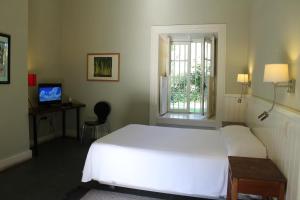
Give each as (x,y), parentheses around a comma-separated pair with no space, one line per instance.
(4,59)
(103,66)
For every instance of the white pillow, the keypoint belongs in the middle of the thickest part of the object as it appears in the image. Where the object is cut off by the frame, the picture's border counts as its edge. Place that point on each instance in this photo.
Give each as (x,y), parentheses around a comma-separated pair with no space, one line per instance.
(240,141)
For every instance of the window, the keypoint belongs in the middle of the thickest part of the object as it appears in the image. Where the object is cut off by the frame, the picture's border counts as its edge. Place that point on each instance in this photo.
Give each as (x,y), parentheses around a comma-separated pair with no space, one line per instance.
(160,65)
(191,76)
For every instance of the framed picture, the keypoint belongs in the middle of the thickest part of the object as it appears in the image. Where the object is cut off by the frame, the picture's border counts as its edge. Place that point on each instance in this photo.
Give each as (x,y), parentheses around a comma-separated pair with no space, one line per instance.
(4,59)
(103,66)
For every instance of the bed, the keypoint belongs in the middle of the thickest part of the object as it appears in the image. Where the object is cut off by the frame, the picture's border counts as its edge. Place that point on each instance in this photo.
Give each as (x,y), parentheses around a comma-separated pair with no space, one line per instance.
(190,162)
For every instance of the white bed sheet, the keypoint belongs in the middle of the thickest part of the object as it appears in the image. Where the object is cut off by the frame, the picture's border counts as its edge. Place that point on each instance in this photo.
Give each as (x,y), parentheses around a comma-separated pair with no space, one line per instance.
(190,162)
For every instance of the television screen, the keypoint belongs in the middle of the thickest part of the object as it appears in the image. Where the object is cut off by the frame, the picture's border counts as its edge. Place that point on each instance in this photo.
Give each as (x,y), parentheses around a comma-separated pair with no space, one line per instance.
(50,93)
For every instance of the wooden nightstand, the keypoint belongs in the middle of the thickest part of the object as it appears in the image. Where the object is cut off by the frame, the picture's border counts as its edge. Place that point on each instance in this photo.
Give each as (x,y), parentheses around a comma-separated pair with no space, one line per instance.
(255,176)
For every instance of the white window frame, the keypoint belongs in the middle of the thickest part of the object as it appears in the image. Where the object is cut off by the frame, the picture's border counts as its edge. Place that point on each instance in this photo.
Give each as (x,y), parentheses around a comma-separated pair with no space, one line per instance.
(220,31)
(189,43)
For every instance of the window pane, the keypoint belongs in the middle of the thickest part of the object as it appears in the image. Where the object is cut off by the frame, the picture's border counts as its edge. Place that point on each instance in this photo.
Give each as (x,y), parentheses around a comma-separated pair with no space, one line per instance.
(208,51)
(198,53)
(176,52)
(193,50)
(187,81)
(194,76)
(172,68)
(172,52)
(182,52)
(182,68)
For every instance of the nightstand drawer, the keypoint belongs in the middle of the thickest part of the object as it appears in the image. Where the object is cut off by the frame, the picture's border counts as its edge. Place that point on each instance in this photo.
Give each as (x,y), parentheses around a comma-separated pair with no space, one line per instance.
(259,187)
(254,176)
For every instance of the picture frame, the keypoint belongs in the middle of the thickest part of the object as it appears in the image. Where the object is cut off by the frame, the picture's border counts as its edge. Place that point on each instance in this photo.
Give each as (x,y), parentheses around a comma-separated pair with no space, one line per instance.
(103,66)
(4,58)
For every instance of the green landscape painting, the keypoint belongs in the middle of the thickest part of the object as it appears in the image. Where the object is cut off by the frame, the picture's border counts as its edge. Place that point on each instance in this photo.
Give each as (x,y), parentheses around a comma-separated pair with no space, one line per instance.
(103,66)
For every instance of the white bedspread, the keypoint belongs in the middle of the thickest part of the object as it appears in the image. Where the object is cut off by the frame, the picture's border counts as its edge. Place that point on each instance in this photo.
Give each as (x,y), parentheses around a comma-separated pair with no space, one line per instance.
(191,162)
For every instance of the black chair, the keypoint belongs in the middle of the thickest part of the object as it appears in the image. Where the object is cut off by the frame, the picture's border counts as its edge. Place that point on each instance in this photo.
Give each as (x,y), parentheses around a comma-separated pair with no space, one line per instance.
(102,110)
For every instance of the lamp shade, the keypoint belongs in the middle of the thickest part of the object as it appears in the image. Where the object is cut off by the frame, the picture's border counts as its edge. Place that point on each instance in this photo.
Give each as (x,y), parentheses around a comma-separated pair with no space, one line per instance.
(276,73)
(242,78)
(31,80)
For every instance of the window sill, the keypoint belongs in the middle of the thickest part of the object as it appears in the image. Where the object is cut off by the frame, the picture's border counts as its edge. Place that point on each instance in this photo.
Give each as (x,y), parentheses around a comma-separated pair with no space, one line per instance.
(187,116)
(192,120)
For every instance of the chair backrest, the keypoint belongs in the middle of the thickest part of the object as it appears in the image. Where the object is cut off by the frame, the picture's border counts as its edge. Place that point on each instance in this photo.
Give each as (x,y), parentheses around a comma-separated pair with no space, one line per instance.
(102,110)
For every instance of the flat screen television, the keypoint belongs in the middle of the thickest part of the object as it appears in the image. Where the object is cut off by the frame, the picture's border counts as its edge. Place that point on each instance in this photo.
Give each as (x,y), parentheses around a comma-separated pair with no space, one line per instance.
(49,93)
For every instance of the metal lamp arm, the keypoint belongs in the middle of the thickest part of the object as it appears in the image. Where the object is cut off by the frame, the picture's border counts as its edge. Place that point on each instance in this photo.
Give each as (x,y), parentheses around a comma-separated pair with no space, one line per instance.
(243,90)
(265,114)
(274,98)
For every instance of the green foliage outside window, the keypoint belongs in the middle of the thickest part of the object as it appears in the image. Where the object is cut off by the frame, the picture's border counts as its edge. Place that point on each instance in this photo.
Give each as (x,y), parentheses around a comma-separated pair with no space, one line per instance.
(178,87)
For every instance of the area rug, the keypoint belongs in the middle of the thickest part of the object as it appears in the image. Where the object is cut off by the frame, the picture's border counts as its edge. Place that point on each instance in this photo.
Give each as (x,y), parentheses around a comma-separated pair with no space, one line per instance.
(108,195)
(95,191)
(95,194)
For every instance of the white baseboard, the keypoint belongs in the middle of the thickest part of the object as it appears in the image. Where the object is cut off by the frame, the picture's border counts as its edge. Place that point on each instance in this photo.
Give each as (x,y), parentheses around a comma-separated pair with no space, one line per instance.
(15,159)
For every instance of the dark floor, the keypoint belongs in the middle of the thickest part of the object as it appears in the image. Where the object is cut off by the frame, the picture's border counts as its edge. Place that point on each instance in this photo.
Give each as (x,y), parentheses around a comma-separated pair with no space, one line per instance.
(55,175)
(49,176)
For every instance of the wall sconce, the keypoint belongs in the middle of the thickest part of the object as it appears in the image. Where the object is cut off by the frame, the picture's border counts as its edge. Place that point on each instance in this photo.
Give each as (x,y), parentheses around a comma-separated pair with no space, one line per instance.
(243,79)
(278,75)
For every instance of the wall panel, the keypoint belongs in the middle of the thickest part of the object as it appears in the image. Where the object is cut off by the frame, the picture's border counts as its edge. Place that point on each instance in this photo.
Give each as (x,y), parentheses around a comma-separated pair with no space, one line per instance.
(281,134)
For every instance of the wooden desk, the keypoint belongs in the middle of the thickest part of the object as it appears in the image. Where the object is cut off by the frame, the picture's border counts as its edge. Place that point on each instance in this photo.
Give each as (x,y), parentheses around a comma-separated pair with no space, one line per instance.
(255,176)
(39,110)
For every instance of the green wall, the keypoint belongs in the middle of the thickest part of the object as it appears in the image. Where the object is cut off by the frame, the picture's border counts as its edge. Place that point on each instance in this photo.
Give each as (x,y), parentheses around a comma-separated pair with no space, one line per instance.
(14,136)
(275,38)
(95,26)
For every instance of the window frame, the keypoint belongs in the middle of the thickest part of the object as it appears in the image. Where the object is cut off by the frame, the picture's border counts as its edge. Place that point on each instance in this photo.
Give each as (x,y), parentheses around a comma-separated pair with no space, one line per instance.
(201,40)
(221,49)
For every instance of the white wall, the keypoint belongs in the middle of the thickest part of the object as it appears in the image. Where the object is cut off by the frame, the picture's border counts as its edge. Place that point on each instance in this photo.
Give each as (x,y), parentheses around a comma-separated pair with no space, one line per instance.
(275,31)
(44,56)
(95,26)
(14,138)
(232,110)
(44,39)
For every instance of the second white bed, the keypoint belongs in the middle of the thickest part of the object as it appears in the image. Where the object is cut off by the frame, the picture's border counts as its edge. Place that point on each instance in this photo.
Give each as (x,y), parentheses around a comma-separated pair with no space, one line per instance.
(190,162)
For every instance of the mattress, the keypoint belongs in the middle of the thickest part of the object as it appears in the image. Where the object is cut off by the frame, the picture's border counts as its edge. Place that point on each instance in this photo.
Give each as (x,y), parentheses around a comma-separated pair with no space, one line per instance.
(191,162)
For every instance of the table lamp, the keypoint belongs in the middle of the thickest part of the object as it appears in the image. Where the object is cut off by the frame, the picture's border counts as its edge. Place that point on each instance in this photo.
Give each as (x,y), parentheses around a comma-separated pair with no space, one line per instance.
(31,80)
(31,83)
